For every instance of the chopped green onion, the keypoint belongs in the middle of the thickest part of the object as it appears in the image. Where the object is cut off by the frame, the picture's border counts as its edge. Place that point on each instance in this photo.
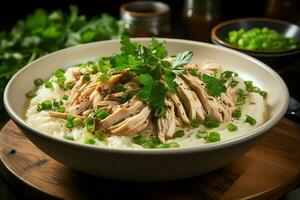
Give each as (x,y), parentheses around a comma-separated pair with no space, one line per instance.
(195,72)
(59,72)
(101,113)
(251,88)
(214,137)
(149,145)
(48,84)
(30,94)
(38,82)
(233,82)
(90,124)
(89,141)
(160,112)
(163,146)
(237,113)
(250,120)
(126,97)
(77,122)
(47,104)
(56,104)
(120,87)
(227,74)
(240,101)
(70,122)
(194,123)
(100,135)
(139,139)
(69,137)
(61,109)
(232,127)
(61,81)
(104,77)
(174,145)
(263,93)
(241,92)
(179,133)
(168,145)
(65,97)
(39,107)
(86,77)
(201,134)
(69,86)
(211,123)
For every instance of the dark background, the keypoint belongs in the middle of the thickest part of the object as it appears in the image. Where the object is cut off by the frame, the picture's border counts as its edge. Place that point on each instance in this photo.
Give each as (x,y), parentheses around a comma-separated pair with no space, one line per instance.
(13,10)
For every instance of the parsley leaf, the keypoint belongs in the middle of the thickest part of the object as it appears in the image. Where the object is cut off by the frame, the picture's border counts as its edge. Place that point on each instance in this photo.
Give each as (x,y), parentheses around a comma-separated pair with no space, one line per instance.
(128,47)
(153,92)
(213,86)
(121,62)
(157,48)
(182,59)
(169,78)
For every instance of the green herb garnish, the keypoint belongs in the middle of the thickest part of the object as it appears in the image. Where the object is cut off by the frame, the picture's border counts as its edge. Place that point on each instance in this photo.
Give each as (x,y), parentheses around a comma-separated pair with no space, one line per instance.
(30,94)
(100,135)
(139,139)
(38,82)
(211,123)
(69,85)
(194,123)
(237,113)
(90,124)
(120,87)
(101,113)
(48,84)
(213,86)
(86,77)
(126,97)
(250,120)
(89,141)
(213,137)
(232,127)
(69,137)
(179,133)
(70,122)
(201,134)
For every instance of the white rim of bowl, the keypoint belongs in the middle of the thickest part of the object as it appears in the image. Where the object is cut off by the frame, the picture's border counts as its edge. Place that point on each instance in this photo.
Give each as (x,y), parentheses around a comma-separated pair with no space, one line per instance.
(182,150)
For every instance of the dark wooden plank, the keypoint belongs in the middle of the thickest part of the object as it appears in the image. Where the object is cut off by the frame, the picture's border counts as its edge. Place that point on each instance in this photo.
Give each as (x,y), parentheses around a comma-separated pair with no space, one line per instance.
(269,170)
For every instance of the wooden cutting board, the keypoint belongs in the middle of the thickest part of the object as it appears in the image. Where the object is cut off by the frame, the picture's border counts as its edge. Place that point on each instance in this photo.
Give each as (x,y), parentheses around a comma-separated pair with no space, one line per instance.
(267,171)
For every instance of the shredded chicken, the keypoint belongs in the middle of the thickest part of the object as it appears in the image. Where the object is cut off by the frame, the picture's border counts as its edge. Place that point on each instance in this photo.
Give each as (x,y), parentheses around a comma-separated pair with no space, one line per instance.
(190,101)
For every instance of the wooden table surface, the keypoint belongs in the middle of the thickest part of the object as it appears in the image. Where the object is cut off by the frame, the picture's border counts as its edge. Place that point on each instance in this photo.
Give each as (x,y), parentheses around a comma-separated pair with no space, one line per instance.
(267,171)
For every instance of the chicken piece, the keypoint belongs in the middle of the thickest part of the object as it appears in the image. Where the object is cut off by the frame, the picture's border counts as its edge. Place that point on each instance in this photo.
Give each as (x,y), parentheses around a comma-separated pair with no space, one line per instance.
(114,96)
(125,110)
(213,107)
(62,115)
(206,67)
(190,100)
(107,103)
(81,106)
(167,125)
(131,125)
(180,109)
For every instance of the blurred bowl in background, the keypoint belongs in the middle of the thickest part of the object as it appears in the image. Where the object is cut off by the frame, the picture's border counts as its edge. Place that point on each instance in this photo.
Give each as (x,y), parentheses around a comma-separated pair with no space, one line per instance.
(275,59)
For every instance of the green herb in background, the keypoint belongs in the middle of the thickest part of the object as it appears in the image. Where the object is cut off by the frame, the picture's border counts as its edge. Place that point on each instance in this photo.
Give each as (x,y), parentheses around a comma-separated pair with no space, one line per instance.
(41,33)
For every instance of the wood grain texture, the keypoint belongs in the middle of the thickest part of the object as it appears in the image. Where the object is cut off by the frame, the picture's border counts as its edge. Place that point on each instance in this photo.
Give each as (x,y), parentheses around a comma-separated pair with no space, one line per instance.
(267,171)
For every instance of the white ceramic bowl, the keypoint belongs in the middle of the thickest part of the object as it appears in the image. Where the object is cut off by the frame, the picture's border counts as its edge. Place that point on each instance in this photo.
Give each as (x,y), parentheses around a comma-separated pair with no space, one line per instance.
(146,165)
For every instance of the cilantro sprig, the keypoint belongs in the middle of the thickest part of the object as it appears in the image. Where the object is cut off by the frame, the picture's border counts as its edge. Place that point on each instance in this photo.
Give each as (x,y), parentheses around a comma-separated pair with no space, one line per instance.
(213,85)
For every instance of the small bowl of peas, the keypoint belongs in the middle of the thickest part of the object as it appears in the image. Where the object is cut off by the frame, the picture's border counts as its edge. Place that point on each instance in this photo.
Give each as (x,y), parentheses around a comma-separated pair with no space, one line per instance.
(272,41)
